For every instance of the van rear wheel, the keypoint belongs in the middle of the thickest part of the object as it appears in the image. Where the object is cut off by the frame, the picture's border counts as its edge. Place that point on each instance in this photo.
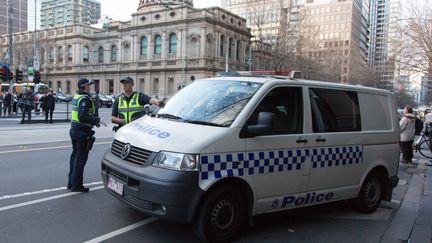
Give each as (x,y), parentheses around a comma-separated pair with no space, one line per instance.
(370,195)
(221,215)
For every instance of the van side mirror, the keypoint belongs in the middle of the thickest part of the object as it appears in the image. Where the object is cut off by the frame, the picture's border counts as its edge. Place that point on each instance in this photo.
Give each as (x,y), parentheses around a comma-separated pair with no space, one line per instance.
(265,124)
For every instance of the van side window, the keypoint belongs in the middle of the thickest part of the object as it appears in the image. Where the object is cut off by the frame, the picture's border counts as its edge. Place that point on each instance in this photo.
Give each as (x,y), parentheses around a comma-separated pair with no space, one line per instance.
(286,104)
(334,110)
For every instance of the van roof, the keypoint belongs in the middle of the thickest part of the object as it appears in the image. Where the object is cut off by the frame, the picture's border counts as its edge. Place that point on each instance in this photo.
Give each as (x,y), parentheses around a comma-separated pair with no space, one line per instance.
(288,80)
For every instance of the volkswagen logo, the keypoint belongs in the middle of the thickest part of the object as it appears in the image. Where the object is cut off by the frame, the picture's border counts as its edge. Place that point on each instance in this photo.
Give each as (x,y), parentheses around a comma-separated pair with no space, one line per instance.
(125,151)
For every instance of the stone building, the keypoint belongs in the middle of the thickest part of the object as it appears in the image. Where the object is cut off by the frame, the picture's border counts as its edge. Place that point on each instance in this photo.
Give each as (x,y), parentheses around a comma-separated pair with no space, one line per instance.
(162,47)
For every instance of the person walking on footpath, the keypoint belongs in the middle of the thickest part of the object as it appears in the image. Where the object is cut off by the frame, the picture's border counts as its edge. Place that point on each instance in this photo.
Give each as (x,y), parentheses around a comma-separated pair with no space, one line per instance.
(7,103)
(407,134)
(97,102)
(129,106)
(81,133)
(1,102)
(48,105)
(27,104)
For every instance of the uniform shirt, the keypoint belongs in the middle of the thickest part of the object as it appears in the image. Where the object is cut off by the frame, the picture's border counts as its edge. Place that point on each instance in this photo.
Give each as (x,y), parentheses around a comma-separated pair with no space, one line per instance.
(143,99)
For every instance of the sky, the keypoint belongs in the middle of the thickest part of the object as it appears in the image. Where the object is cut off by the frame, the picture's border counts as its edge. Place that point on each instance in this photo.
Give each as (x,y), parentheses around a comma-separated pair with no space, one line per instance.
(122,10)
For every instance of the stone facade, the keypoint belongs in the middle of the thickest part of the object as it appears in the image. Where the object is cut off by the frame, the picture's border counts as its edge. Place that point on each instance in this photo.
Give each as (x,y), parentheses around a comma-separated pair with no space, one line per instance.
(162,47)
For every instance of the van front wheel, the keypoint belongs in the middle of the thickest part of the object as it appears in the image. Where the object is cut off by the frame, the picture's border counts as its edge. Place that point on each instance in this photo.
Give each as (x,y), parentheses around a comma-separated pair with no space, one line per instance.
(221,216)
(370,195)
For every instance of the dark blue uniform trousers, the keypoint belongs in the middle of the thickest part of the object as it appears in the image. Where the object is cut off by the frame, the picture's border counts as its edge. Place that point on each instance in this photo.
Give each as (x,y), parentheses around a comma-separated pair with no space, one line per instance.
(78,160)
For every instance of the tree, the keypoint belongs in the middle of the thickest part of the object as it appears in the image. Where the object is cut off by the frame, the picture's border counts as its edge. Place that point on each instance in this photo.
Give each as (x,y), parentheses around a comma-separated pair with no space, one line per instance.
(414,43)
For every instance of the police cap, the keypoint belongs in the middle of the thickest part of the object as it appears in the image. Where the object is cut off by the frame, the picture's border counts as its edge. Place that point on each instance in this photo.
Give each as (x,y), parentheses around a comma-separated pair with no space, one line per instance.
(83,82)
(126,80)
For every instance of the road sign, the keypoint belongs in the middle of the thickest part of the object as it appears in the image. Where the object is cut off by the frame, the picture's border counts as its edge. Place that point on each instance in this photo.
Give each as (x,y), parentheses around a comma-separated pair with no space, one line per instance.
(4,64)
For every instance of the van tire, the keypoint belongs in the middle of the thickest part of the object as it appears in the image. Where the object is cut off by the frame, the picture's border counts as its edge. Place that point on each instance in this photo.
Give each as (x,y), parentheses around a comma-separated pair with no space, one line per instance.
(370,195)
(220,216)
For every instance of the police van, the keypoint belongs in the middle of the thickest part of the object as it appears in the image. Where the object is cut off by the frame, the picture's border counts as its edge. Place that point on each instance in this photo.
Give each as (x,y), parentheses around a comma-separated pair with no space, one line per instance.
(225,149)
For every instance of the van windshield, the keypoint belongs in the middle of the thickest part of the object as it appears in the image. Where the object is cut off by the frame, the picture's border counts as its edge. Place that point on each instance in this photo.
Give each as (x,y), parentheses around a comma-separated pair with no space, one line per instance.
(210,102)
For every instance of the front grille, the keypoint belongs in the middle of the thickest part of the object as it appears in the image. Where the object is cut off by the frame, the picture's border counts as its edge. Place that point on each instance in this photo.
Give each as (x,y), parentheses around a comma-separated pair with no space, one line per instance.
(139,203)
(137,155)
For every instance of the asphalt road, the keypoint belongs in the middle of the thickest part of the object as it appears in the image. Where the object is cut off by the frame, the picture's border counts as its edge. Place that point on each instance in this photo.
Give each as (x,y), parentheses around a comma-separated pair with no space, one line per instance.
(36,207)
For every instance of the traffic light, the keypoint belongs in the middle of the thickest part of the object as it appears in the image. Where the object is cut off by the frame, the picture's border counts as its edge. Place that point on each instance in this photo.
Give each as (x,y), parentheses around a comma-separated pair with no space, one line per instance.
(18,75)
(37,77)
(4,73)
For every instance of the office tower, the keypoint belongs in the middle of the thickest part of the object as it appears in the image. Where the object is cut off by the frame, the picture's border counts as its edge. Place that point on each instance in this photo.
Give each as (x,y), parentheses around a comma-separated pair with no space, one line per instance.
(19,16)
(64,12)
(384,28)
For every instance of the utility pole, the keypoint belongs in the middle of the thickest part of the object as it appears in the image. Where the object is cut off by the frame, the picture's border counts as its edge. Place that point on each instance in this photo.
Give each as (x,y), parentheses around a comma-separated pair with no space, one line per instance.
(10,51)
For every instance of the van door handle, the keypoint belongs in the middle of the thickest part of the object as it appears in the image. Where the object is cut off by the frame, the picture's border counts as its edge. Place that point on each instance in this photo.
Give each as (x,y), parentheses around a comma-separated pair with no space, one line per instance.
(320,139)
(301,141)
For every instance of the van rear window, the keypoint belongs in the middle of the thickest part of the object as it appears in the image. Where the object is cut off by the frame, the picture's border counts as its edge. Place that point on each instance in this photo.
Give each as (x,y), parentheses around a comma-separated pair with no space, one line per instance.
(334,110)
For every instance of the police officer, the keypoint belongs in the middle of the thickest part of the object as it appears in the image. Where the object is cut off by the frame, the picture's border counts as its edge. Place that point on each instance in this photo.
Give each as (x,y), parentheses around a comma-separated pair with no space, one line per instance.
(129,106)
(81,133)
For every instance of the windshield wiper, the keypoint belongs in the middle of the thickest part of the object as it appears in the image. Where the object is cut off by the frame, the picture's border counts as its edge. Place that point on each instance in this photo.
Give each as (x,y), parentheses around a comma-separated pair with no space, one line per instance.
(169,116)
(204,123)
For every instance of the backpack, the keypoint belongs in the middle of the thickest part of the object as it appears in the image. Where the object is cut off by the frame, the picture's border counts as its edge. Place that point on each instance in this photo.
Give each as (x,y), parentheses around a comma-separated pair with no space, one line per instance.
(418,126)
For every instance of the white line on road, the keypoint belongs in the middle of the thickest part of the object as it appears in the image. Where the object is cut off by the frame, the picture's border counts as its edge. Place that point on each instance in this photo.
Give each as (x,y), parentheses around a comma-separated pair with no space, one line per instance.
(44,199)
(44,191)
(122,230)
(39,149)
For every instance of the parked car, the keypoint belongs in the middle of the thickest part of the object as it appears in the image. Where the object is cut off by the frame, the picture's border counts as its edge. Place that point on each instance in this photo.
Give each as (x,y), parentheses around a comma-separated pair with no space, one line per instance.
(105,100)
(61,97)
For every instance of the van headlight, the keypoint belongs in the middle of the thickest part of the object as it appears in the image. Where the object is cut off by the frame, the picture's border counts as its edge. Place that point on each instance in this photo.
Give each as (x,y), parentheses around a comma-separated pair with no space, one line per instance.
(176,161)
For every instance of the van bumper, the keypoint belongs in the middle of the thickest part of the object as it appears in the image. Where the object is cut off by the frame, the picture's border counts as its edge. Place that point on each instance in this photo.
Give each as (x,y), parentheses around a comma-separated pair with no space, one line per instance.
(392,183)
(168,194)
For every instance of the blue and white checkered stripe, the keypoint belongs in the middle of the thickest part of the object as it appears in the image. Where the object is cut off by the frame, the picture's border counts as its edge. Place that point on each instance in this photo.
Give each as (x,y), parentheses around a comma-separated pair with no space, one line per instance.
(262,162)
(241,164)
(336,156)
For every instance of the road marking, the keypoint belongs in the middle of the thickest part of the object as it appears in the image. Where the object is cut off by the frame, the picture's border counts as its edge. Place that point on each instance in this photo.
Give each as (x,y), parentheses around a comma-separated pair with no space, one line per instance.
(44,191)
(44,199)
(40,149)
(122,230)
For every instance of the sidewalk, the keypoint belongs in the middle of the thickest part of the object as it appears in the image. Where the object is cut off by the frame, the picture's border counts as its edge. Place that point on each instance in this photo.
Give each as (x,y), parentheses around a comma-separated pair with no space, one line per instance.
(413,221)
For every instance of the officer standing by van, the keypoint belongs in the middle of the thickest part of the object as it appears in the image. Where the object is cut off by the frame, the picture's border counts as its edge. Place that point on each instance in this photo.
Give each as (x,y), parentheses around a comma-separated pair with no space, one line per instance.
(129,106)
(81,133)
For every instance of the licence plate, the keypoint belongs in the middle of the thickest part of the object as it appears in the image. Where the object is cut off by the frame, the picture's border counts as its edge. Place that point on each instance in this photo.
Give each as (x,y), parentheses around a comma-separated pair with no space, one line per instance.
(115,186)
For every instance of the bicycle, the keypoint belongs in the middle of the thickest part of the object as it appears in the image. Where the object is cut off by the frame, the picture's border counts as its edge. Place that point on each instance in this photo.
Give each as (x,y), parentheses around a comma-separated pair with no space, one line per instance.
(424,146)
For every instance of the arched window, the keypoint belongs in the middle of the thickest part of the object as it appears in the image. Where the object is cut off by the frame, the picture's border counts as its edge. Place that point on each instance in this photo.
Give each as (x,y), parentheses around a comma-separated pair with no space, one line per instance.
(158,44)
(173,43)
(100,54)
(69,53)
(230,43)
(238,50)
(144,44)
(221,46)
(194,47)
(68,87)
(85,54)
(60,54)
(113,54)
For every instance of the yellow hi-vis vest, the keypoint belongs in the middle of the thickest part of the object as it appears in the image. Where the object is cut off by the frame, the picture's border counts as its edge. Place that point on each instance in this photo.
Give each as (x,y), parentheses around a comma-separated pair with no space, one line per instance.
(127,110)
(75,104)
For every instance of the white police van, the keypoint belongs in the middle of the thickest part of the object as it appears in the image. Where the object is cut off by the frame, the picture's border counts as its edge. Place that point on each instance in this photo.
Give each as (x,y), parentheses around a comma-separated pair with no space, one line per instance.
(225,149)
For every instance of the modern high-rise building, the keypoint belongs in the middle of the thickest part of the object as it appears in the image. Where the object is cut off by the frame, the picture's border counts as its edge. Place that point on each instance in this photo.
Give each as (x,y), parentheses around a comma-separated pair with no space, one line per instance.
(384,20)
(19,16)
(34,14)
(337,32)
(64,12)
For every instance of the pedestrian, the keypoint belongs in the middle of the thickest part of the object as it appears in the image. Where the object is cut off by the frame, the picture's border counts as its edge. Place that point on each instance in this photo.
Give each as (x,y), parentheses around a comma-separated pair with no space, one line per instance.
(1,102)
(407,134)
(48,105)
(97,102)
(27,104)
(7,103)
(81,133)
(129,106)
